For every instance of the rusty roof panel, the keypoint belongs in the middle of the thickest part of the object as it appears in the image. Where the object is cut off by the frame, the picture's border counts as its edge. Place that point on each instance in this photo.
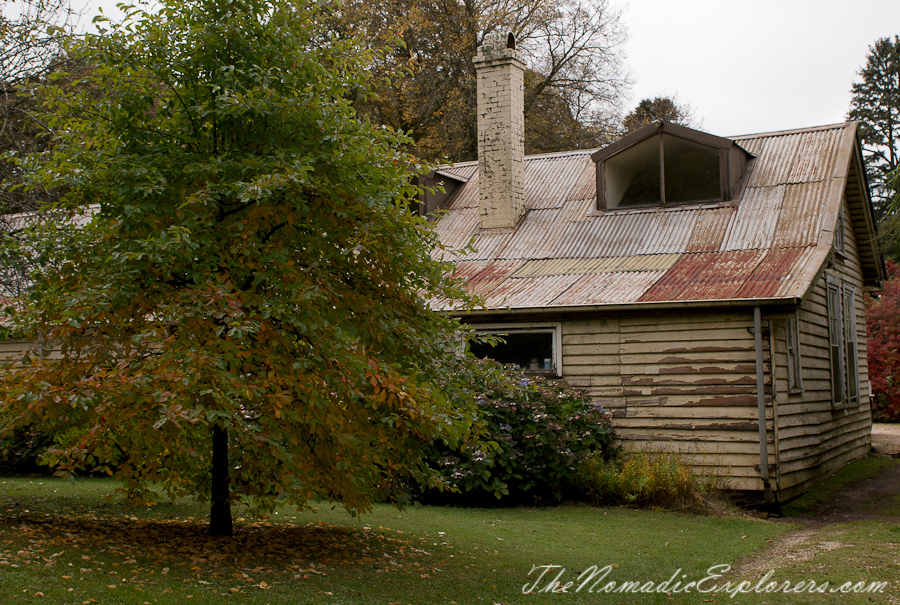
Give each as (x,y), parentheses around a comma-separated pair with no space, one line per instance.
(770,273)
(484,276)
(529,292)
(708,276)
(710,228)
(608,288)
(757,216)
(564,253)
(530,236)
(816,156)
(481,276)
(796,270)
(801,218)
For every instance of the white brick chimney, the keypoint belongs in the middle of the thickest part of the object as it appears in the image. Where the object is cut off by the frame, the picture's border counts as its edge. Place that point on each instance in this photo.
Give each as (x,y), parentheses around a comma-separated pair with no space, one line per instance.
(501,131)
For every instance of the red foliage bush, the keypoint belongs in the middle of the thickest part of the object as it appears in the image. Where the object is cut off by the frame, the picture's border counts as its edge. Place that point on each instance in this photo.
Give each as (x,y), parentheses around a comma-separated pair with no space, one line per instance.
(883,325)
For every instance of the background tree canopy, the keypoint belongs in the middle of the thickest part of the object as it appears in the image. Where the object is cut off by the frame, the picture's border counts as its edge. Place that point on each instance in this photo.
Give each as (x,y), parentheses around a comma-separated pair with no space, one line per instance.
(659,108)
(876,106)
(240,314)
(425,82)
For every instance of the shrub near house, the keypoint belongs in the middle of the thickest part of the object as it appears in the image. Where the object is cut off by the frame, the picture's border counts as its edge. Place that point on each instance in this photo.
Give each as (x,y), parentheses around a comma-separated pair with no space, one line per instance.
(535,432)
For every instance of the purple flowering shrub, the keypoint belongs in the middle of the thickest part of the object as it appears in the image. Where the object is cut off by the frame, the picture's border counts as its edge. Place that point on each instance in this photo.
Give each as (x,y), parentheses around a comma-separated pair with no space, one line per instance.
(534,433)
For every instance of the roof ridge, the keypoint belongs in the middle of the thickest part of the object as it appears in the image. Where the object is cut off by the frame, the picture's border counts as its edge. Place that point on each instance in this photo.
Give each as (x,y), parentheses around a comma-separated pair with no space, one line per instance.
(781,133)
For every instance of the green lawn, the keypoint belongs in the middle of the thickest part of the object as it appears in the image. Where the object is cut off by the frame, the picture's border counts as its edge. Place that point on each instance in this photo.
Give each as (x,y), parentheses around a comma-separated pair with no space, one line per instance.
(63,543)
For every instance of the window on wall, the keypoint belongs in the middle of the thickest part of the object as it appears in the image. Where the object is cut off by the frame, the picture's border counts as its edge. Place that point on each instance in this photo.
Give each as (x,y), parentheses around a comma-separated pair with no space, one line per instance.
(835,342)
(839,244)
(842,343)
(792,342)
(532,347)
(849,308)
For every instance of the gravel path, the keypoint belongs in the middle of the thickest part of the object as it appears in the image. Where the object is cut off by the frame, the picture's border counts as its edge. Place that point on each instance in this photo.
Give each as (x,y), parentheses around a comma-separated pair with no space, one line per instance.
(886,439)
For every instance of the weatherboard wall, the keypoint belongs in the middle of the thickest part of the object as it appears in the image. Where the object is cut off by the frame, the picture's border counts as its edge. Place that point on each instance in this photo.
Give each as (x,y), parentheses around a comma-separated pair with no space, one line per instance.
(675,382)
(814,437)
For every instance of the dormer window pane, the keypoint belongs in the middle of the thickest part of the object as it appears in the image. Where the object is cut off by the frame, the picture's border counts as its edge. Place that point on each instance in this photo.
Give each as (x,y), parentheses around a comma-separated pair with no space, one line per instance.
(632,176)
(665,164)
(692,171)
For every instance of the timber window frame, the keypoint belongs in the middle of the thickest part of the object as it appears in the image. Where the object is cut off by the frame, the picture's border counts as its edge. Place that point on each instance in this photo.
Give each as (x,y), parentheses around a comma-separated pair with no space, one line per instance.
(840,245)
(851,351)
(842,343)
(792,352)
(537,329)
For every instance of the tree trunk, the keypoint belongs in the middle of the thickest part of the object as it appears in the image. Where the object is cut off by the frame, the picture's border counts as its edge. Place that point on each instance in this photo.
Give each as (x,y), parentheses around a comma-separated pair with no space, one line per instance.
(220,493)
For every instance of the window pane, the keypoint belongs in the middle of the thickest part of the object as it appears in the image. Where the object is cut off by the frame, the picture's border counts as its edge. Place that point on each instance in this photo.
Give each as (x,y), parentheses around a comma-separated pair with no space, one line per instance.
(528,350)
(850,342)
(836,333)
(790,327)
(692,171)
(632,175)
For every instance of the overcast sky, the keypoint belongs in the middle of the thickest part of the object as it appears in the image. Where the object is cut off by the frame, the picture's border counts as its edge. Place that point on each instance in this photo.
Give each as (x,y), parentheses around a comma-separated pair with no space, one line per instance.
(748,66)
(754,66)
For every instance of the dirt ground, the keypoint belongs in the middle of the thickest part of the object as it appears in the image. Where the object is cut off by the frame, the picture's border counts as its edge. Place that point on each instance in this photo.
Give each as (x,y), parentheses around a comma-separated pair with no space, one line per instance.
(869,499)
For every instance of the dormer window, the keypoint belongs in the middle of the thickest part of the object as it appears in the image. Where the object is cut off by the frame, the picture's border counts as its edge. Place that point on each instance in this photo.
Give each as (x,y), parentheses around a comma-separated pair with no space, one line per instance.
(665,164)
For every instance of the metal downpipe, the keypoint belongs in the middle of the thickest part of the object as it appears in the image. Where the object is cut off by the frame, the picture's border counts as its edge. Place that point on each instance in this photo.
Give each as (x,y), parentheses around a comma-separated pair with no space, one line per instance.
(761,403)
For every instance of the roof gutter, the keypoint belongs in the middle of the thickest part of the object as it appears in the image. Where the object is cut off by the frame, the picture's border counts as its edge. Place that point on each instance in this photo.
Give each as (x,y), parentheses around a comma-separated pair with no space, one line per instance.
(646,306)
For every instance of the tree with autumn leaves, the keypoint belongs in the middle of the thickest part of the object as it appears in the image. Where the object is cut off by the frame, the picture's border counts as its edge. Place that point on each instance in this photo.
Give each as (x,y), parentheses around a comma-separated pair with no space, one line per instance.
(883,334)
(234,306)
(424,83)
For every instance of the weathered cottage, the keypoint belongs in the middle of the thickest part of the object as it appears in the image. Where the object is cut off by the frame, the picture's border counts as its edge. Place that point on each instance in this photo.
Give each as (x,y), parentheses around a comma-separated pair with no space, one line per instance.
(708,291)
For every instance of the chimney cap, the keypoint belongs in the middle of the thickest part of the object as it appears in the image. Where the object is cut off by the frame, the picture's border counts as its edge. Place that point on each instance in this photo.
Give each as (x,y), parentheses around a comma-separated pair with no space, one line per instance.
(498,46)
(496,41)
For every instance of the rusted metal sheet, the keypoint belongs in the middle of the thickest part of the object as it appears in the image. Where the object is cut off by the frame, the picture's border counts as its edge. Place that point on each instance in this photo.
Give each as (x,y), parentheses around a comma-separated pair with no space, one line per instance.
(464,170)
(586,187)
(794,272)
(566,253)
(482,278)
(770,273)
(608,288)
(529,292)
(487,243)
(710,276)
(467,195)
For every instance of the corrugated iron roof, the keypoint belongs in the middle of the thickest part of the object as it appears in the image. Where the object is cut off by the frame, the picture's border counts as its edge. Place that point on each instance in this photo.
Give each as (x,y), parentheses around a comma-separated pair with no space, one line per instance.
(563,253)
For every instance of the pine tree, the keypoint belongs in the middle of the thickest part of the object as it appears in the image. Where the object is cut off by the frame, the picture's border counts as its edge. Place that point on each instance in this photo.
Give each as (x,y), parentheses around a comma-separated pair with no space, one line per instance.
(876,106)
